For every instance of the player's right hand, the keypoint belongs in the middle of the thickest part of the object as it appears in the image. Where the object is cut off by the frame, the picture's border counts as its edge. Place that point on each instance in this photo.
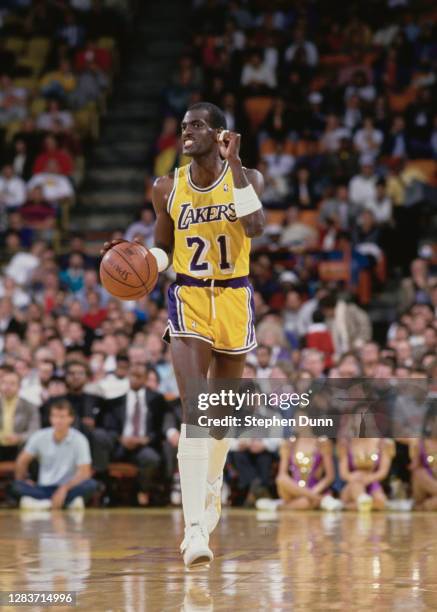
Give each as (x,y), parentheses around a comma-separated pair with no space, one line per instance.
(229,145)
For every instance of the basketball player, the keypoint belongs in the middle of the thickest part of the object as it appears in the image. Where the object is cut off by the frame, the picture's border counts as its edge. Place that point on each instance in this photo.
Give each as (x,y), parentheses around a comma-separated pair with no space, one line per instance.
(207,212)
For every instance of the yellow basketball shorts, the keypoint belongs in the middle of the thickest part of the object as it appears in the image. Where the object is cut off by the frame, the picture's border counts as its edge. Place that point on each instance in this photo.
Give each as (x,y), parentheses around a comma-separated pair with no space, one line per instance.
(221,312)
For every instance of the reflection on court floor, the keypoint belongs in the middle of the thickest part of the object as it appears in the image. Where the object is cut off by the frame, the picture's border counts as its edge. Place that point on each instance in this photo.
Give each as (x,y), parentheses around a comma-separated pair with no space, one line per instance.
(128,560)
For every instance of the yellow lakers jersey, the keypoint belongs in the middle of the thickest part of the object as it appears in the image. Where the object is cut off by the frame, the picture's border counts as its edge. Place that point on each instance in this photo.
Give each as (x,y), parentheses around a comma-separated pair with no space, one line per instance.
(209,240)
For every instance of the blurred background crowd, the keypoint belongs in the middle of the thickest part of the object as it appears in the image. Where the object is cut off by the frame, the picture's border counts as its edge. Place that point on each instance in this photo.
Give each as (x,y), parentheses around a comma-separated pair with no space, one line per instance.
(336,106)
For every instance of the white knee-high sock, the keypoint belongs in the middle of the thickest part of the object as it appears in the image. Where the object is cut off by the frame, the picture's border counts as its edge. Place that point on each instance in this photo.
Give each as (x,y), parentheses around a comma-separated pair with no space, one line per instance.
(217,452)
(193,471)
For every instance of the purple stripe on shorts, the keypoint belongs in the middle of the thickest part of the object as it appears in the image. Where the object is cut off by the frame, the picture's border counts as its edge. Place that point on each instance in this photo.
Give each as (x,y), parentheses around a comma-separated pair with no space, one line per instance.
(252,317)
(173,307)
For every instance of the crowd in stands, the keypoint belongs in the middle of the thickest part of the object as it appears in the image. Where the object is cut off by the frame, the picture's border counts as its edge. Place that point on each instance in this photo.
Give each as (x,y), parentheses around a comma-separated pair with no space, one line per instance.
(336,110)
(58,60)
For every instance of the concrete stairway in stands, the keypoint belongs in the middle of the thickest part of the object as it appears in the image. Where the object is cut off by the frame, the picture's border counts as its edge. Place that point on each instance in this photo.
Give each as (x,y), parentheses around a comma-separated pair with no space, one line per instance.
(113,189)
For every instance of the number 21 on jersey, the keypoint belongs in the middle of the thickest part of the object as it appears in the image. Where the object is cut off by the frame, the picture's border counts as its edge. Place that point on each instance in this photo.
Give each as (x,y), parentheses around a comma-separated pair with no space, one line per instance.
(200,265)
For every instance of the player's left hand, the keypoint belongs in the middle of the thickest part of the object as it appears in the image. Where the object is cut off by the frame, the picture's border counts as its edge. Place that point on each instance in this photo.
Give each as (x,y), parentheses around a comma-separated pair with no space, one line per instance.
(229,145)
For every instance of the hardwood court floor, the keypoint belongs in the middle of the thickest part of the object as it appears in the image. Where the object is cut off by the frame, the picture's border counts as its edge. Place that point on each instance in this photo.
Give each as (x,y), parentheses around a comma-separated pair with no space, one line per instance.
(128,560)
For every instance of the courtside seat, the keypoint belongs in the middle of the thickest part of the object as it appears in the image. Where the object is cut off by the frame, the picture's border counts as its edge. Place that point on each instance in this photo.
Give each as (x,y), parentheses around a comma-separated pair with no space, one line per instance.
(257,109)
(123,482)
(122,470)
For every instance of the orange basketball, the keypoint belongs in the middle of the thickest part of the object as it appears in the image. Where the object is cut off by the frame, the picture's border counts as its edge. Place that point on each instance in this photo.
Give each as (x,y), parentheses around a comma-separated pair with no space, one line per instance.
(128,271)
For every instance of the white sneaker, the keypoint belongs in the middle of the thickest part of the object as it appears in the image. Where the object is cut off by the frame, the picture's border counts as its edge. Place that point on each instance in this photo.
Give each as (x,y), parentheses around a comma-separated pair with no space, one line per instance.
(195,546)
(330,504)
(264,503)
(213,505)
(400,505)
(76,504)
(30,503)
(364,502)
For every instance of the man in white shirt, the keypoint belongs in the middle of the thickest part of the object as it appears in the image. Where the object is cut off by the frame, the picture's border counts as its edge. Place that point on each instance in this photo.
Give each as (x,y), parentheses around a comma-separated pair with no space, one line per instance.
(257,74)
(22,265)
(297,236)
(143,228)
(12,189)
(116,383)
(279,163)
(380,205)
(333,134)
(64,476)
(136,421)
(362,187)
(55,187)
(8,287)
(49,120)
(368,139)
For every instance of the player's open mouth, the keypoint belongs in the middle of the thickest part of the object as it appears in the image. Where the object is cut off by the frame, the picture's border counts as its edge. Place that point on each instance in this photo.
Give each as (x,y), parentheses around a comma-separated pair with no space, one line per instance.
(188,143)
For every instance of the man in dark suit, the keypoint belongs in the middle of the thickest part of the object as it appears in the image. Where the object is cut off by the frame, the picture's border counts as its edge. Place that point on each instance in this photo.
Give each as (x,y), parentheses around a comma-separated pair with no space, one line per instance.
(18,417)
(135,421)
(88,416)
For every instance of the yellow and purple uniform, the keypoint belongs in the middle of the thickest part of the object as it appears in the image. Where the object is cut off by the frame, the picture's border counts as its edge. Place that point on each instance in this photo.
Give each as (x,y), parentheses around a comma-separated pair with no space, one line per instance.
(212,297)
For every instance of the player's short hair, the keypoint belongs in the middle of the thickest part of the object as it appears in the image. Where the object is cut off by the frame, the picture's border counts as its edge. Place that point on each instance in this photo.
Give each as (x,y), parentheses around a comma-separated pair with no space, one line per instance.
(216,116)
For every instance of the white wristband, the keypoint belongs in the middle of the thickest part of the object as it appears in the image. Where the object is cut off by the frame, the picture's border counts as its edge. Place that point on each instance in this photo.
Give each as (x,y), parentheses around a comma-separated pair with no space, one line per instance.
(246,201)
(161,258)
